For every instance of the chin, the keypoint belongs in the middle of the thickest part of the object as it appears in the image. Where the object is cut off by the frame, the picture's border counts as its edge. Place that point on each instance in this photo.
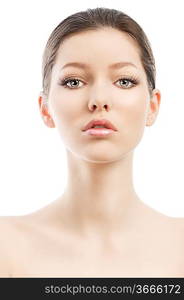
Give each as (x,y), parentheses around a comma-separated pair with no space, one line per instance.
(101,158)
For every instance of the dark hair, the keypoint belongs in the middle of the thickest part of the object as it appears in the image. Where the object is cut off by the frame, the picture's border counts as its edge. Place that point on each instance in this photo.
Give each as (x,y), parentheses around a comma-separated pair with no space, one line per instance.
(93,19)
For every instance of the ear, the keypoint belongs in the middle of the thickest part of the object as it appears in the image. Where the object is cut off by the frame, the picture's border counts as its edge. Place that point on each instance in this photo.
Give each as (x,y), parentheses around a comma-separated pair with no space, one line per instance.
(44,110)
(153,107)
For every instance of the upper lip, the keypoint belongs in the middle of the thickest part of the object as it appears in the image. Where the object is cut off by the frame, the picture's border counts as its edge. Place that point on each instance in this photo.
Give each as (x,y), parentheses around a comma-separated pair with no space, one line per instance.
(103,122)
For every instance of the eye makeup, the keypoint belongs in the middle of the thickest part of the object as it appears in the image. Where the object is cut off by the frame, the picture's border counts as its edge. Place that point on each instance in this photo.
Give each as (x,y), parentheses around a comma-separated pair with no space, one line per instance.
(133,80)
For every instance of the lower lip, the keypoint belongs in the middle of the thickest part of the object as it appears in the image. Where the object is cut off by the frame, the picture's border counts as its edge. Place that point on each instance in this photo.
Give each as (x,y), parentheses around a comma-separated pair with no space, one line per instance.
(99,131)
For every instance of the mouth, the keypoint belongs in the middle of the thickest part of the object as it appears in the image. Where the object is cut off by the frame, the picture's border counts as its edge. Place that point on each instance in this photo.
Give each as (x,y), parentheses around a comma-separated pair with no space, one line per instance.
(99,132)
(102,124)
(99,128)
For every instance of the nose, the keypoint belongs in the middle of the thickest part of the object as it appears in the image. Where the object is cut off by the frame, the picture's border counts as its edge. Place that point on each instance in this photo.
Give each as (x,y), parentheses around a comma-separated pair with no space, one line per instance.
(99,107)
(100,101)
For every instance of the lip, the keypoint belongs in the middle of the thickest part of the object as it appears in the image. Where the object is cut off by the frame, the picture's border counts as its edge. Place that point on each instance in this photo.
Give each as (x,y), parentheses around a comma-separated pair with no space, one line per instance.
(103,122)
(101,132)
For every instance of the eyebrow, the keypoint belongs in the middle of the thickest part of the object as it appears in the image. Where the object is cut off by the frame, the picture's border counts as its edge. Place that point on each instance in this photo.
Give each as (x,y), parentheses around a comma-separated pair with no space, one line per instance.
(117,65)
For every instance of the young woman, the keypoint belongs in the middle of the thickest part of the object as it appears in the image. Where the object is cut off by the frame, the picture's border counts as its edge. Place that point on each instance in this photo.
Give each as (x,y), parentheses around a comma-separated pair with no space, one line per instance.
(99,92)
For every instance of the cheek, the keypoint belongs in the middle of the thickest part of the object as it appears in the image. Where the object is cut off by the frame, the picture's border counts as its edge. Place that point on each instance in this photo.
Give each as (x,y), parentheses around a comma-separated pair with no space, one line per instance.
(134,117)
(65,110)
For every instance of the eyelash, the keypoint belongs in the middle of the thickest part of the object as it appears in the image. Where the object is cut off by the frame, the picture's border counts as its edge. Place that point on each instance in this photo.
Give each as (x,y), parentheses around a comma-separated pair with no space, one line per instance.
(131,79)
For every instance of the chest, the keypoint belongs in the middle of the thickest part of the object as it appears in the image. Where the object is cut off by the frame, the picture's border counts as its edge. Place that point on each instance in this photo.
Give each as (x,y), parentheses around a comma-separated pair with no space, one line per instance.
(67,260)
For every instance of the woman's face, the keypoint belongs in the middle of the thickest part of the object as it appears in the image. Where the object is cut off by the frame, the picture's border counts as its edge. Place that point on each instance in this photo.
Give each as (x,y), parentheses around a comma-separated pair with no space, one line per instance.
(98,91)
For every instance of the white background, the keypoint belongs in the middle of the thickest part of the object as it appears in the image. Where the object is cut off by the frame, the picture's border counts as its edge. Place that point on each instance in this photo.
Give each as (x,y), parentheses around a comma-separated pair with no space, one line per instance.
(33,167)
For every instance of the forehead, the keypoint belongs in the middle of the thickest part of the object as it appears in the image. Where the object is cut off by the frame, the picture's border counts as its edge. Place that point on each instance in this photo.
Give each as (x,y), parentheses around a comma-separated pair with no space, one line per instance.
(98,48)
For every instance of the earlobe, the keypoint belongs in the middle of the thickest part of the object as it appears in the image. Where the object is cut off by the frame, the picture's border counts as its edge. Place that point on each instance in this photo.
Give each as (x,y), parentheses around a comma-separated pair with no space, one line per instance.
(44,111)
(150,120)
(154,105)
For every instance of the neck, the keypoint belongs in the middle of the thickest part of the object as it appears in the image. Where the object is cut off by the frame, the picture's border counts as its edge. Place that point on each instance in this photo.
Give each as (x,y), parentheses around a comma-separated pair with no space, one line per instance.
(100,197)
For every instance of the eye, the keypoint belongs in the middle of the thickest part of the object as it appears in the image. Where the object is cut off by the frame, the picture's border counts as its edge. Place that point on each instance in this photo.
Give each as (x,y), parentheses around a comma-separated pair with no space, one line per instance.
(128,82)
(72,83)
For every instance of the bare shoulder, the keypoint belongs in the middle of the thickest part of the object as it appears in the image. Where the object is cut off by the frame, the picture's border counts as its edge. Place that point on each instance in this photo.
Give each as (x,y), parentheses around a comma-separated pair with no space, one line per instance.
(7,236)
(169,227)
(178,226)
(7,229)
(168,223)
(12,233)
(20,238)
(178,222)
(10,226)
(16,227)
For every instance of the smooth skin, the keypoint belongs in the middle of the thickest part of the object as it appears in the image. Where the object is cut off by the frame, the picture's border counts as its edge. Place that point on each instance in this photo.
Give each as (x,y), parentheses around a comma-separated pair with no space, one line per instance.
(98,227)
